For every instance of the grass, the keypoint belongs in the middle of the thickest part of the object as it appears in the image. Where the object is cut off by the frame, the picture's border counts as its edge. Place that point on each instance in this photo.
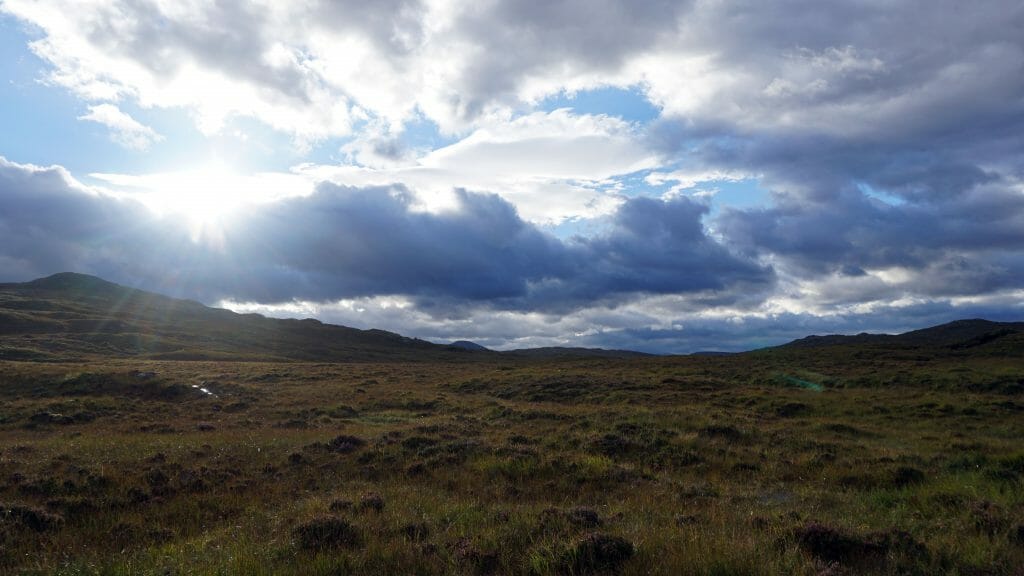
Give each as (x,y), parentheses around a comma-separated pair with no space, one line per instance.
(694,465)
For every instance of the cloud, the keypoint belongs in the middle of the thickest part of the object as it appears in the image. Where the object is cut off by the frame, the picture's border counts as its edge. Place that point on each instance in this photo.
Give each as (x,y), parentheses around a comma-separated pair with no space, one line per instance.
(859,90)
(347,242)
(845,250)
(731,333)
(568,45)
(52,223)
(124,129)
(218,60)
(364,241)
(552,166)
(660,246)
(360,242)
(314,68)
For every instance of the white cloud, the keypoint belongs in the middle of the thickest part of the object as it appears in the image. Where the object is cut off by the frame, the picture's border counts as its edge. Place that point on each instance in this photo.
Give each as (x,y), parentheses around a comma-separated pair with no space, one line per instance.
(498,329)
(551,166)
(315,69)
(686,179)
(124,129)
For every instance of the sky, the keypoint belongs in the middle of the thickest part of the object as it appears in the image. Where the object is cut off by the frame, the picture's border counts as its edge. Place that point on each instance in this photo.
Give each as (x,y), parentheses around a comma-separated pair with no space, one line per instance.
(655,175)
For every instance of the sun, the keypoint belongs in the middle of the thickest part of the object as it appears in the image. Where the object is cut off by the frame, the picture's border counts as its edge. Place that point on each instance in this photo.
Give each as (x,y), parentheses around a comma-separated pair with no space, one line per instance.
(206,199)
(203,199)
(203,196)
(200,194)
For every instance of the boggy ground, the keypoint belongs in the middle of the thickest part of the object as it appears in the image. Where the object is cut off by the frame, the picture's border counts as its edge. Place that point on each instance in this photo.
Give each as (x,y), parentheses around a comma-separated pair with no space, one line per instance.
(699,465)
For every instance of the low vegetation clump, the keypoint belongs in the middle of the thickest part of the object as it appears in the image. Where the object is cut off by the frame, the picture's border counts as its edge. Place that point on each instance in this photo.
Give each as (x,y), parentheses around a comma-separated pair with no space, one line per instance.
(344,444)
(14,516)
(595,553)
(326,532)
(879,552)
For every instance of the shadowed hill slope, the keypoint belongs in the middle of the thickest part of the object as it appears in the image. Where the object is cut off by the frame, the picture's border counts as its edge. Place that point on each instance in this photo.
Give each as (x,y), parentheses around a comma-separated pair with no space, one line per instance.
(71,315)
(573,352)
(988,336)
(977,355)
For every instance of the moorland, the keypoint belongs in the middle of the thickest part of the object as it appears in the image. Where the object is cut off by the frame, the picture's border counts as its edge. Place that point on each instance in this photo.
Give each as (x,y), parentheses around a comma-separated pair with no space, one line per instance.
(145,435)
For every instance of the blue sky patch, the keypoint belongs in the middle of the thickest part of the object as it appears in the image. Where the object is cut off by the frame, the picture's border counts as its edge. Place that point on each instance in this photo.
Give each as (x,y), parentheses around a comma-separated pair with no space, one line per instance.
(629,104)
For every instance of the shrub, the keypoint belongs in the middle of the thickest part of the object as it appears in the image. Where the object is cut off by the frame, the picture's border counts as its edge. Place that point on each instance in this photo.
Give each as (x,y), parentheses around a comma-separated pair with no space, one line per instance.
(416,531)
(872,550)
(907,476)
(326,532)
(341,505)
(371,501)
(597,552)
(792,409)
(833,545)
(730,433)
(585,517)
(29,517)
(344,444)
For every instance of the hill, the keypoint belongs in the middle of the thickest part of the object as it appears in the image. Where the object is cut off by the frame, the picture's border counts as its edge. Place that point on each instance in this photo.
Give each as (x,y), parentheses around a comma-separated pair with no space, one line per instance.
(953,336)
(68,315)
(468,345)
(574,352)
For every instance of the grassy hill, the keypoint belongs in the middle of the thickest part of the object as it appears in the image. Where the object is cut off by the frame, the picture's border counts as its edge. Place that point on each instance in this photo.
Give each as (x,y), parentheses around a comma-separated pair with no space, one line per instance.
(67,316)
(962,355)
(993,337)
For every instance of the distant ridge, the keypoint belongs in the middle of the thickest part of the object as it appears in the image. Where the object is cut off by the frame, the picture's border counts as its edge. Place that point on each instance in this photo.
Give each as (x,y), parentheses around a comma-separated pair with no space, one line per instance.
(956,335)
(468,345)
(565,351)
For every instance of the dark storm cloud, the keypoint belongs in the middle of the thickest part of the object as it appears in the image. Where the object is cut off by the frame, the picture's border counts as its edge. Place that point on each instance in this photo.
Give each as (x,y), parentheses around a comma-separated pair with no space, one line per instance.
(657,247)
(889,136)
(343,242)
(368,241)
(967,244)
(47,224)
(888,70)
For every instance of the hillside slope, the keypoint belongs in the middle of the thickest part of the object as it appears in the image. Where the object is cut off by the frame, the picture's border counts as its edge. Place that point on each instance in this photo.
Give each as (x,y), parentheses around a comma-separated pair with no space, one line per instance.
(70,315)
(959,335)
